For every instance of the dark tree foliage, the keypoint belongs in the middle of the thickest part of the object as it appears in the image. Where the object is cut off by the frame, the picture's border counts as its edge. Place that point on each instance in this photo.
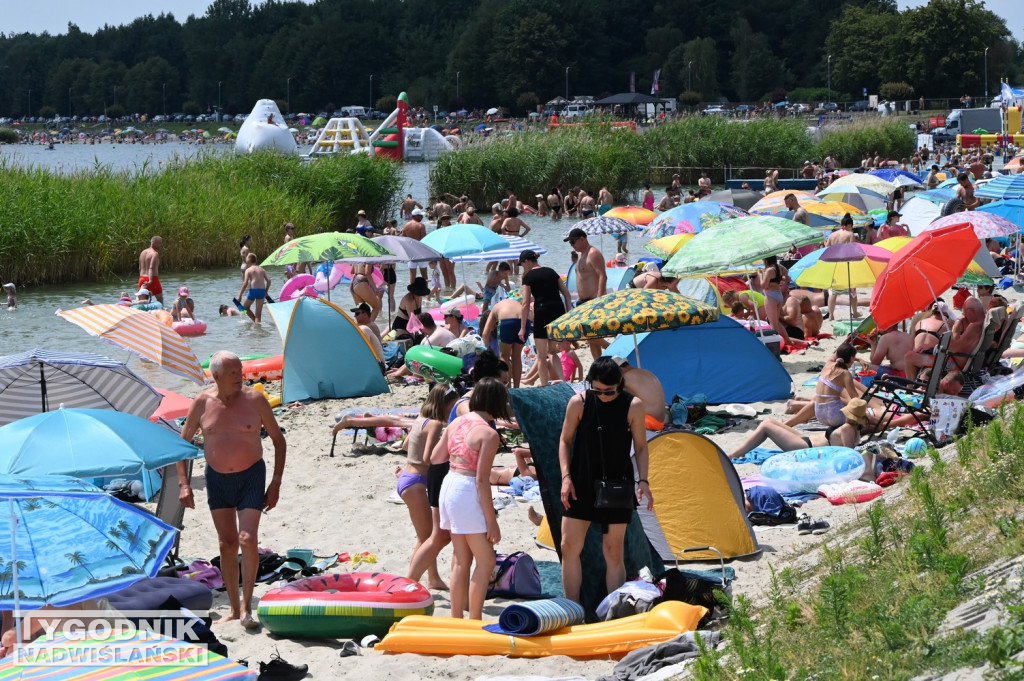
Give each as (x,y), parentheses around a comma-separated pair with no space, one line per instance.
(483,53)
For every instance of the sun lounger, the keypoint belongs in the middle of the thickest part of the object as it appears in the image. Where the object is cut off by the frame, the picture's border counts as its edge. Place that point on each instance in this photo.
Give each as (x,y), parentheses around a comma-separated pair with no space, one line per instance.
(169,508)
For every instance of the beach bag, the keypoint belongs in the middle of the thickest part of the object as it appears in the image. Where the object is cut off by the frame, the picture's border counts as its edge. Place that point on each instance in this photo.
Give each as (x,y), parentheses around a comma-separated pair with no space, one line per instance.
(612,493)
(515,576)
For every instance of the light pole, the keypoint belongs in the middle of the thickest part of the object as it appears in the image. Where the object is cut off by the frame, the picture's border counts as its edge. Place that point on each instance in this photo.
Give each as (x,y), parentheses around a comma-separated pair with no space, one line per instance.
(986,73)
(165,100)
(371,90)
(457,86)
(567,83)
(288,95)
(829,78)
(218,99)
(689,73)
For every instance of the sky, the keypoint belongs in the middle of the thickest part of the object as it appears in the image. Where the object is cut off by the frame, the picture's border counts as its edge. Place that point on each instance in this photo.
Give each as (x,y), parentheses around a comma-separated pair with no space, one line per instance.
(54,15)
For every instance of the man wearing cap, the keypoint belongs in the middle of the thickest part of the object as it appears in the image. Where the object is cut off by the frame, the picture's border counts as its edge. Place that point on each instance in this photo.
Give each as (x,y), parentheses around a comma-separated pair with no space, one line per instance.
(591,278)
(645,385)
(362,315)
(545,289)
(415,229)
(891,227)
(149,268)
(453,320)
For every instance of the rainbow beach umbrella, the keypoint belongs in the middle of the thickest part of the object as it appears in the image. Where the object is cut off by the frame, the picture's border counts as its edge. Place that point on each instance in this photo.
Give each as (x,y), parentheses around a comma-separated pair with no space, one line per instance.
(690,218)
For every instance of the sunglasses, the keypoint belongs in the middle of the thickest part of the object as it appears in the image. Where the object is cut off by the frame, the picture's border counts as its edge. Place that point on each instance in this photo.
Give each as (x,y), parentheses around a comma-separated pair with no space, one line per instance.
(598,391)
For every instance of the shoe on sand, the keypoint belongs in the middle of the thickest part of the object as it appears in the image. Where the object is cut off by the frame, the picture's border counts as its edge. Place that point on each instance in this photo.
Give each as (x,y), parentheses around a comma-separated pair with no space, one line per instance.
(820,527)
(803,525)
(279,670)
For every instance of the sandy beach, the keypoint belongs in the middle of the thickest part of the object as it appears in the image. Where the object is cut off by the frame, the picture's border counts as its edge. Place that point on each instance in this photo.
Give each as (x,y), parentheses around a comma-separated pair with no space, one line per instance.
(344,504)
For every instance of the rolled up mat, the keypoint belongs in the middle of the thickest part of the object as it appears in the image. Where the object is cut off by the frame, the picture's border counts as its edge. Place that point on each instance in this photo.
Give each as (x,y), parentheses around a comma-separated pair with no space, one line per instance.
(537,617)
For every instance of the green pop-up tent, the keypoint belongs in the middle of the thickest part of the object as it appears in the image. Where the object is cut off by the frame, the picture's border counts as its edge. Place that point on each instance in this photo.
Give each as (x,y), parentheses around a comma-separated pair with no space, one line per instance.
(325,352)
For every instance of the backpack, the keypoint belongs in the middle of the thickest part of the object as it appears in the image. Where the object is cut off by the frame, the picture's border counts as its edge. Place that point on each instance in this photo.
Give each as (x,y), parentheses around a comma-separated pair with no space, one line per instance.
(515,576)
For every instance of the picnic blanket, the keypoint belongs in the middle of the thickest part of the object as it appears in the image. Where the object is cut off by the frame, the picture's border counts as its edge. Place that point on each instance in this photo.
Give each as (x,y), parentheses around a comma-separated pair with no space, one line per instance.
(757,456)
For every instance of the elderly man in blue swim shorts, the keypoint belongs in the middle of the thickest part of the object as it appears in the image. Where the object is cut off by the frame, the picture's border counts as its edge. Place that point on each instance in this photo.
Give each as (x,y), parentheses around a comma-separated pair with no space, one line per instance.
(231,417)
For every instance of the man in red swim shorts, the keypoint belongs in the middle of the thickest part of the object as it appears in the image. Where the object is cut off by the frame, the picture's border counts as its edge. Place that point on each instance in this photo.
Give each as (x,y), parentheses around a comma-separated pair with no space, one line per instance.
(149,268)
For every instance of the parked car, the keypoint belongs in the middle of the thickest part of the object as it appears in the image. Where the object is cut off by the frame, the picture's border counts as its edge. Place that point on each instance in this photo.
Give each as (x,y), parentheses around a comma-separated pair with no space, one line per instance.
(862,105)
(826,108)
(744,108)
(715,110)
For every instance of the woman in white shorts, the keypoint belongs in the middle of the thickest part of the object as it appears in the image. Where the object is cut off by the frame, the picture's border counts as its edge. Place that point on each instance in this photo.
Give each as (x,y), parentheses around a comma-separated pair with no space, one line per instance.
(470,443)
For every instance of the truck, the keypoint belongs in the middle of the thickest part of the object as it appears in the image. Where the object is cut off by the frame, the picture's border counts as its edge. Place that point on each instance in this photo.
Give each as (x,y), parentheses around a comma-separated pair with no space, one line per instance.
(966,121)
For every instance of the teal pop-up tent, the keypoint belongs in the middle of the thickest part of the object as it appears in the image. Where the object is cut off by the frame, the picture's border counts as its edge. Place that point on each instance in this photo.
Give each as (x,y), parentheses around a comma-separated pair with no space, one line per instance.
(325,353)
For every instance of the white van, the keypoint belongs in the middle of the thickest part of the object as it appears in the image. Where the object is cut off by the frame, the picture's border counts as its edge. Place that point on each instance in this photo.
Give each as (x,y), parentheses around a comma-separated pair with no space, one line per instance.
(576,110)
(353,112)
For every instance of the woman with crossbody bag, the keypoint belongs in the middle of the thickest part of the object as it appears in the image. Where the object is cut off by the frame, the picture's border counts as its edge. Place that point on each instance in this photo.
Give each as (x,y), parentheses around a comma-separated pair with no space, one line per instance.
(597,472)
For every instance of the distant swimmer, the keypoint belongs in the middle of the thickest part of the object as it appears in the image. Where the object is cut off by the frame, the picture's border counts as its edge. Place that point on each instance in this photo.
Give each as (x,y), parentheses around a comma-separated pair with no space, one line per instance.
(149,268)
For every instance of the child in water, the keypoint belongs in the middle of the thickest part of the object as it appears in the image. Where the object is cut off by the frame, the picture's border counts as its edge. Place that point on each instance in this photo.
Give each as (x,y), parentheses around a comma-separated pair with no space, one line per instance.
(12,297)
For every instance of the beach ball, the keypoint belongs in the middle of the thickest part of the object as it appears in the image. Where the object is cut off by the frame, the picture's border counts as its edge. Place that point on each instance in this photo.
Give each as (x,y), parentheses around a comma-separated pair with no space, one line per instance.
(915,447)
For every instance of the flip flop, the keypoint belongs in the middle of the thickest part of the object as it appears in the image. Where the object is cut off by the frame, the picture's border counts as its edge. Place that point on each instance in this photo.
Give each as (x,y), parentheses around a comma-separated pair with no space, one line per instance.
(249,623)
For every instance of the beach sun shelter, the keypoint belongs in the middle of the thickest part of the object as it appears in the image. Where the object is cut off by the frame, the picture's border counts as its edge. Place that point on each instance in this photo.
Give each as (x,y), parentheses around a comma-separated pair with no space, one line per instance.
(325,353)
(721,359)
(699,500)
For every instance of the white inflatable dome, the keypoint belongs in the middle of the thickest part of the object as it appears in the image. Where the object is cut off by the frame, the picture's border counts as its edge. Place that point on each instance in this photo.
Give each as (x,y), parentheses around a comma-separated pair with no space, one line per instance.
(265,128)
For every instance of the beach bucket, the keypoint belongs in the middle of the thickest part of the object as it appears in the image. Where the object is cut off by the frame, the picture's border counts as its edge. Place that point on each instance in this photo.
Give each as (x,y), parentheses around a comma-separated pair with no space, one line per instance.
(866,377)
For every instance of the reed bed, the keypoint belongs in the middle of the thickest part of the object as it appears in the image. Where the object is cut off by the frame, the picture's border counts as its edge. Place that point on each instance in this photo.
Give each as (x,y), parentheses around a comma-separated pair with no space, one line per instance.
(593,156)
(92,224)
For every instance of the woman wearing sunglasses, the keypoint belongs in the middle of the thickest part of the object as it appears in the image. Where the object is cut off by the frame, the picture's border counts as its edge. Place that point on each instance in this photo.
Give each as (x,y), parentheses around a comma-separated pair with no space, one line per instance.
(598,474)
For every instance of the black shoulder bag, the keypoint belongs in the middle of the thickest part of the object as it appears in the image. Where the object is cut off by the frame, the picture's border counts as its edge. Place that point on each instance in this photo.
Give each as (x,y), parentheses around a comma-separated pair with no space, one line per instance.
(611,494)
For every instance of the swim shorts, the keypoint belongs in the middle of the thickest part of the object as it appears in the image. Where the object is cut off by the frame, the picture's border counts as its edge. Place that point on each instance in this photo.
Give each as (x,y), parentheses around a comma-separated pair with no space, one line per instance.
(407,480)
(652,423)
(241,490)
(585,213)
(508,331)
(460,508)
(152,285)
(256,294)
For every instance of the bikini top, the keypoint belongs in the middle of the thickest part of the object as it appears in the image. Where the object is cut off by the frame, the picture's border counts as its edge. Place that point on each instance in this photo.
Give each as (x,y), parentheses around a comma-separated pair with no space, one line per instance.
(462,456)
(929,332)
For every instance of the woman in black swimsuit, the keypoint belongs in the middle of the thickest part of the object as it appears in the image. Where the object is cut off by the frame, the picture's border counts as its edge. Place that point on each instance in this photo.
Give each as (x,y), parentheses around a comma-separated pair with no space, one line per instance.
(411,304)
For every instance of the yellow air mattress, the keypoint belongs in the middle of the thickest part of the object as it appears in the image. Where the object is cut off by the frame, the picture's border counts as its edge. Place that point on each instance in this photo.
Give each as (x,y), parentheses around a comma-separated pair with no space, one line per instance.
(447,636)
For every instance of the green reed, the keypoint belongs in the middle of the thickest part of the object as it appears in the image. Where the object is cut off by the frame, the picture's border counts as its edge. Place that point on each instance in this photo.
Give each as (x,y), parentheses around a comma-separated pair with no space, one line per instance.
(92,224)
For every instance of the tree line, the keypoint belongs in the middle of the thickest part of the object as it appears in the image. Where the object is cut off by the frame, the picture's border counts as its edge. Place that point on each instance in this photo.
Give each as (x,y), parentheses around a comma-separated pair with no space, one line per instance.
(512,53)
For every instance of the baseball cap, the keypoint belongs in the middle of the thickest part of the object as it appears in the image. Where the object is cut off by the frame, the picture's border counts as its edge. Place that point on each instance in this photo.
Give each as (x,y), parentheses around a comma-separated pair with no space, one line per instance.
(183,291)
(893,214)
(619,361)
(528,255)
(360,212)
(9,286)
(454,312)
(416,211)
(362,307)
(575,233)
(143,292)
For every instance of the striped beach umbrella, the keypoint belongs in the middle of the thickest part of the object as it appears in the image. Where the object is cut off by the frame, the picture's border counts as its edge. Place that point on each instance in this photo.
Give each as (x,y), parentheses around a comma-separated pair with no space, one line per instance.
(985,225)
(1005,187)
(776,202)
(139,333)
(516,245)
(604,225)
(875,184)
(39,380)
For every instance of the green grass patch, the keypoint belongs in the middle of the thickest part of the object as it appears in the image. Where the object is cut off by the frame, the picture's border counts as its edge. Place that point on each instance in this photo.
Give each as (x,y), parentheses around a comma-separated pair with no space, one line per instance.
(592,156)
(870,608)
(92,224)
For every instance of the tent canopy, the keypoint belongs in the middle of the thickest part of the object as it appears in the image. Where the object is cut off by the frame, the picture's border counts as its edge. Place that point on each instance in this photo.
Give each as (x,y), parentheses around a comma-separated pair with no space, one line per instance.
(722,359)
(629,98)
(700,500)
(325,353)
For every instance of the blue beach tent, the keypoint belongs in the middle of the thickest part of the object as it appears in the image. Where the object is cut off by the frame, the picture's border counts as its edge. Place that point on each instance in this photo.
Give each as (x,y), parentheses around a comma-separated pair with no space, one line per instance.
(325,353)
(723,360)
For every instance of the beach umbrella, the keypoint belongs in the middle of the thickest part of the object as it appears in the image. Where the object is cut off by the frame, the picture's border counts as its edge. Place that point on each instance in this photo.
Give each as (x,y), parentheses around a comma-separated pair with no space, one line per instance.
(516,245)
(482,126)
(492,111)
(841,267)
(1015,164)
(37,380)
(603,224)
(976,273)
(666,246)
(859,197)
(116,654)
(690,218)
(325,246)
(70,541)
(985,225)
(737,243)
(631,311)
(952,182)
(875,184)
(776,202)
(636,215)
(407,249)
(140,333)
(741,198)
(835,210)
(1005,187)
(1011,209)
(88,443)
(920,271)
(816,221)
(462,240)
(900,178)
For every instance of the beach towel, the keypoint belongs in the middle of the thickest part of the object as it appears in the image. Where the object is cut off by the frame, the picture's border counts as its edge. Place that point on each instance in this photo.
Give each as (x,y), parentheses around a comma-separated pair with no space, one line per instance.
(757,456)
(660,658)
(821,336)
(537,617)
(795,347)
(792,498)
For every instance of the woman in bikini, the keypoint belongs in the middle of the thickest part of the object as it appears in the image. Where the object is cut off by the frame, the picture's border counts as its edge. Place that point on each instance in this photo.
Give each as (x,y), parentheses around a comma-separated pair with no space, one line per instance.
(771,285)
(363,290)
(411,304)
(836,387)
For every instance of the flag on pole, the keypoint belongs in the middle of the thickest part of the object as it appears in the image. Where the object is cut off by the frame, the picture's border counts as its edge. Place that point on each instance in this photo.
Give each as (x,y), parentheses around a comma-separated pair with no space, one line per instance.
(632,81)
(654,85)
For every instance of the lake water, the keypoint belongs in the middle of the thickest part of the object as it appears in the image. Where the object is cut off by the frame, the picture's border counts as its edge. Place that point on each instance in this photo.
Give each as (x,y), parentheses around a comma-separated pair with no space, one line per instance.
(35,323)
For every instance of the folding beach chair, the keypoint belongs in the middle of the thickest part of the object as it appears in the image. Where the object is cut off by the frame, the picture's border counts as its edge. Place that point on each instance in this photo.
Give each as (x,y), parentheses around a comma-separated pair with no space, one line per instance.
(904,396)
(1003,340)
(972,364)
(169,508)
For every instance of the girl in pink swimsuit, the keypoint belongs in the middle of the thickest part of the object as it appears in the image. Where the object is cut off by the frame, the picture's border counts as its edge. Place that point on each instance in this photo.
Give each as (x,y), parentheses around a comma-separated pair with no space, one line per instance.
(466,511)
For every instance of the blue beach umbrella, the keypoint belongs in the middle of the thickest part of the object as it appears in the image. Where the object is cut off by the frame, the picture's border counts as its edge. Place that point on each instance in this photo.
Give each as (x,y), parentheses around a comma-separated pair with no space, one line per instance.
(817,221)
(88,443)
(463,240)
(1011,209)
(69,541)
(901,178)
(1005,187)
